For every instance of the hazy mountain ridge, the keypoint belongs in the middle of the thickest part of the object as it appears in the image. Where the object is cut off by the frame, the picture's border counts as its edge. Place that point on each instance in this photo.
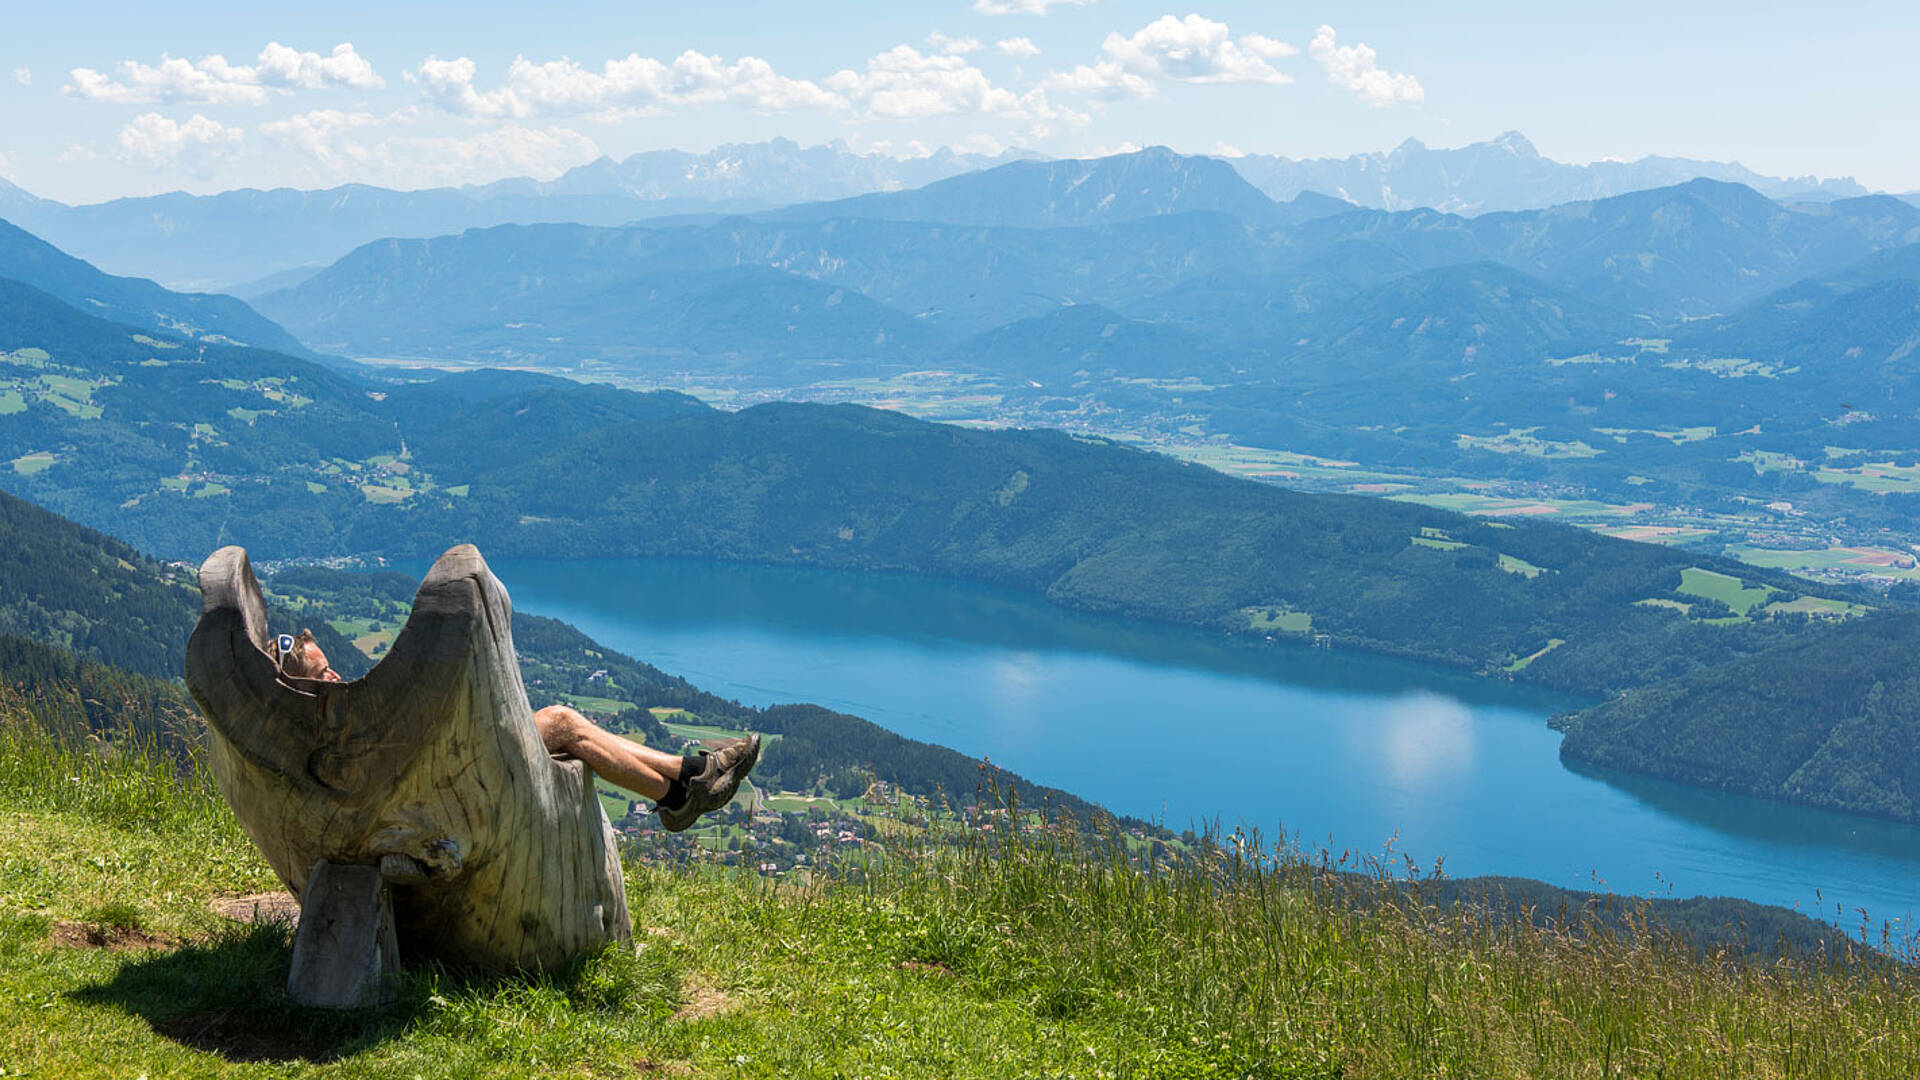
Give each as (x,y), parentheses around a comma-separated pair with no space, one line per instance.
(237,237)
(1047,194)
(1657,256)
(1503,173)
(136,301)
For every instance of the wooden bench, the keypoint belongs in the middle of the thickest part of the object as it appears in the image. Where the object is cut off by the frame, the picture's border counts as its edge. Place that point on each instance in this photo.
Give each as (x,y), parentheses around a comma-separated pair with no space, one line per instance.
(415,811)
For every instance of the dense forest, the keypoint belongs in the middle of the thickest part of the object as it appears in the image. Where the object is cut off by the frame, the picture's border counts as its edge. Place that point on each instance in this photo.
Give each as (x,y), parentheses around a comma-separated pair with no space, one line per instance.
(1832,720)
(70,586)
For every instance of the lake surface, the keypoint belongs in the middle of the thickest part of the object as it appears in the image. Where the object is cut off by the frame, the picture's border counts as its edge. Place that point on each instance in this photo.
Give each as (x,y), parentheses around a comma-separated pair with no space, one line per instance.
(1341,749)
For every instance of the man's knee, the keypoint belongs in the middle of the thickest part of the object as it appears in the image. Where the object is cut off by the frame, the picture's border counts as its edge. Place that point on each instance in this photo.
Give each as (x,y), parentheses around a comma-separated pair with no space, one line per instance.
(561,727)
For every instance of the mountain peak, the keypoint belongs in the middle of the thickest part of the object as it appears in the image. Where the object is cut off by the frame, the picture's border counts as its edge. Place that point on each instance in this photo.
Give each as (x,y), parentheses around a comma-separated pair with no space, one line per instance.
(1515,143)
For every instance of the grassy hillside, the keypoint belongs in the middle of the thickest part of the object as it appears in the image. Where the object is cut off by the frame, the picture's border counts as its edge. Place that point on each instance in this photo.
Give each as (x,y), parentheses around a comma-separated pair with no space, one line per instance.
(1012,953)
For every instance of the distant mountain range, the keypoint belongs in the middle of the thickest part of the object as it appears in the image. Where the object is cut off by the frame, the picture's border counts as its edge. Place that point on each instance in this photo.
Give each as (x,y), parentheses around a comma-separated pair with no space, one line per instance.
(1505,173)
(233,240)
(881,278)
(230,240)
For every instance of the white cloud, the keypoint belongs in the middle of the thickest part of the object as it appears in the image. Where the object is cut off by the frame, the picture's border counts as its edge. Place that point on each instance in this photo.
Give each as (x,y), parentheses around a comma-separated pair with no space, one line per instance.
(1022,7)
(321,134)
(211,80)
(197,145)
(1020,48)
(511,150)
(1227,150)
(1354,67)
(953,46)
(981,144)
(327,146)
(903,84)
(1192,50)
(23,75)
(636,85)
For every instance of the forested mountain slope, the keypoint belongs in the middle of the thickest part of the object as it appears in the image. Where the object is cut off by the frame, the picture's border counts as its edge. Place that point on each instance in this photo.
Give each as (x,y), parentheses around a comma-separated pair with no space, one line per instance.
(1841,731)
(135,301)
(68,585)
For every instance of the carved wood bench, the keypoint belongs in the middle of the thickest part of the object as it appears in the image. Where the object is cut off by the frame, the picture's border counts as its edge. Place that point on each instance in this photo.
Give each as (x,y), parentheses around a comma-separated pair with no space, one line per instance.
(415,811)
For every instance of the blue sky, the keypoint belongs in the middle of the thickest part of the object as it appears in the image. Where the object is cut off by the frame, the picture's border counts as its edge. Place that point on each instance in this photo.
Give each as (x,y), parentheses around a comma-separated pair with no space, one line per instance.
(437,93)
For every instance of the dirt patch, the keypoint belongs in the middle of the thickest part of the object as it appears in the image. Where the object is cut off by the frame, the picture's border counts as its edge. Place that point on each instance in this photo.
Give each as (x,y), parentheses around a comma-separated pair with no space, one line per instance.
(274,907)
(1877,557)
(928,968)
(650,1067)
(72,934)
(1528,510)
(704,1000)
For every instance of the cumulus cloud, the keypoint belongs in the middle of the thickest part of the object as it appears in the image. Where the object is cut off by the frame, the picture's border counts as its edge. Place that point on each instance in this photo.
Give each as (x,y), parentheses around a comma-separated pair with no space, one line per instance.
(1192,50)
(637,84)
(953,46)
(23,75)
(322,135)
(211,80)
(197,145)
(1355,68)
(1022,7)
(333,145)
(901,84)
(1020,48)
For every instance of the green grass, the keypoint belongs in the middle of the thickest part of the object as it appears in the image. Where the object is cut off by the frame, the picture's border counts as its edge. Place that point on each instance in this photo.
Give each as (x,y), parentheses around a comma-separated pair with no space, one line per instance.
(1007,953)
(1729,590)
(603,705)
(1680,606)
(1817,606)
(29,464)
(707,732)
(73,395)
(1434,542)
(1524,662)
(1280,619)
(1880,477)
(1513,564)
(1523,441)
(12,402)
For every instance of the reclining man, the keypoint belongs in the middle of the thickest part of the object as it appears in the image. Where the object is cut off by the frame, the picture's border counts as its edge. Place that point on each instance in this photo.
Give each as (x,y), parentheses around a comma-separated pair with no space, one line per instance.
(682,788)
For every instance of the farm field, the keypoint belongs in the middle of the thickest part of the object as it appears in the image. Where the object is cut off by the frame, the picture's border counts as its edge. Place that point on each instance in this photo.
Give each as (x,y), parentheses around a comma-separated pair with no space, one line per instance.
(1729,590)
(1836,561)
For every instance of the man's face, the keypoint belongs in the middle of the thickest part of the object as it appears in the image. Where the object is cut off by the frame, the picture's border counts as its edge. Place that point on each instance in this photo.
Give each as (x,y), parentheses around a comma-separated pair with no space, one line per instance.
(317,666)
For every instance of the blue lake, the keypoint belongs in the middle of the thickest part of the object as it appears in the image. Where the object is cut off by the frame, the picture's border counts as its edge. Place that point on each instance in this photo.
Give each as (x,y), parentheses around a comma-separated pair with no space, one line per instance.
(1339,749)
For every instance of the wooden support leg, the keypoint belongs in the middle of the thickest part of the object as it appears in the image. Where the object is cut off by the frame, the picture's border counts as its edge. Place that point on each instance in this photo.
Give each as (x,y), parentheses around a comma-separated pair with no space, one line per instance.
(345,954)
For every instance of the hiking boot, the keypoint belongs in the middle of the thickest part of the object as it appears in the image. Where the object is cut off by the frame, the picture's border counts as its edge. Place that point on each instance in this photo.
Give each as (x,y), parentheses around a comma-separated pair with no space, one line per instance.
(714,785)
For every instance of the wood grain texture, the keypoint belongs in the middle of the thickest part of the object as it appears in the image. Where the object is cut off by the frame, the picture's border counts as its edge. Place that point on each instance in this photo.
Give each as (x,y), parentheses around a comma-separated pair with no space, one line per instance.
(345,952)
(430,767)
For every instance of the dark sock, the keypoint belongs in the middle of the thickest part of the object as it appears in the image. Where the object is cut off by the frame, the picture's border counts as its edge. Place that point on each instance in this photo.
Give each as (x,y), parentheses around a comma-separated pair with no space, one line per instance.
(690,766)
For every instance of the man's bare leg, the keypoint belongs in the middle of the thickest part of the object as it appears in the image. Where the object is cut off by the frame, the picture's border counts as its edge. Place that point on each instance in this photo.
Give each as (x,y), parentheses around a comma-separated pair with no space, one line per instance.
(623,762)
